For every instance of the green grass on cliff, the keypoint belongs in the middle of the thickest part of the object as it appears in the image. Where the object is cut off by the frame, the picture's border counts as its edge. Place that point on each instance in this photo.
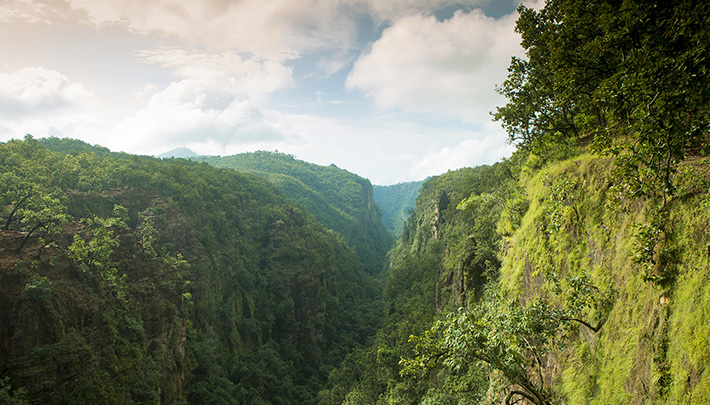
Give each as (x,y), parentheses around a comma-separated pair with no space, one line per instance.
(653,348)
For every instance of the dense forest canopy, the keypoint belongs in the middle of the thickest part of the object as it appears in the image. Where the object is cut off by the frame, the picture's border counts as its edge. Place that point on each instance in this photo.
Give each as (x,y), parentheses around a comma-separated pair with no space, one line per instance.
(340,200)
(134,279)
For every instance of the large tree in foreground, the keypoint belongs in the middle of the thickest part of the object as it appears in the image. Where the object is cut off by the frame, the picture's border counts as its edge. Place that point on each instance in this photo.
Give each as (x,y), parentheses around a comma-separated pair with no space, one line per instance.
(630,76)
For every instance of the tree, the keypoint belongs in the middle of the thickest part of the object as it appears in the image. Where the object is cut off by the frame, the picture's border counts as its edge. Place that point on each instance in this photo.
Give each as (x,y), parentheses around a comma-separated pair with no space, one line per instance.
(31,203)
(95,253)
(629,76)
(551,94)
(44,212)
(502,336)
(31,207)
(497,333)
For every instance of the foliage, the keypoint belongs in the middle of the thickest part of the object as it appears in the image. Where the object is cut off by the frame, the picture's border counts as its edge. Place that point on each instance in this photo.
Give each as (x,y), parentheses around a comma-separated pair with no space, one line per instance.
(71,146)
(8,396)
(502,334)
(95,255)
(628,76)
(28,203)
(39,287)
(564,194)
(216,274)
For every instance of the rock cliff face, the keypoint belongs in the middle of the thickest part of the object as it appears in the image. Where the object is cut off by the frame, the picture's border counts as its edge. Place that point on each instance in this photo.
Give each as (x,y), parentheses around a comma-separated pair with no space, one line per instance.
(439,229)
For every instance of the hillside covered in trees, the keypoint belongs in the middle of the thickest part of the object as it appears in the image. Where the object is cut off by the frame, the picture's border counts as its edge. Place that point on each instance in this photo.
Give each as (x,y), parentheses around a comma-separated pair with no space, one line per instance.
(396,203)
(129,279)
(340,200)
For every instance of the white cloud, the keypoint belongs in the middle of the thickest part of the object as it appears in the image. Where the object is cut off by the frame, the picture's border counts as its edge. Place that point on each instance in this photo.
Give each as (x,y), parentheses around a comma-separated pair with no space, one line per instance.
(227,72)
(216,103)
(445,68)
(478,150)
(274,29)
(36,11)
(394,9)
(37,91)
(45,102)
(187,113)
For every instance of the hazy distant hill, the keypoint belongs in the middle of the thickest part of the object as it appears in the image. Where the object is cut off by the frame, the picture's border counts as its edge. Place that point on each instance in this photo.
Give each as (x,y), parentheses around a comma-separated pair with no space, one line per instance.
(178,153)
(72,146)
(340,200)
(395,202)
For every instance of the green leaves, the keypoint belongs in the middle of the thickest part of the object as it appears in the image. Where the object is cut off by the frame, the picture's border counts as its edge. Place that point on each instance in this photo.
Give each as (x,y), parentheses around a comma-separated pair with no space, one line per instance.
(94,255)
(631,75)
(561,203)
(39,288)
(10,396)
(498,333)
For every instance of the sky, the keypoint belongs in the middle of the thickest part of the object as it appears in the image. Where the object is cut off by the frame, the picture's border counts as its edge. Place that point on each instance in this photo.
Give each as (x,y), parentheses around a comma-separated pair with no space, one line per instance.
(393,90)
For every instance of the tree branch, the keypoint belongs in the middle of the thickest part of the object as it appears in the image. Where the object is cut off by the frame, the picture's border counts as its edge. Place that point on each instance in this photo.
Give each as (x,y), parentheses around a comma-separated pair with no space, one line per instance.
(523,394)
(40,225)
(595,329)
(14,209)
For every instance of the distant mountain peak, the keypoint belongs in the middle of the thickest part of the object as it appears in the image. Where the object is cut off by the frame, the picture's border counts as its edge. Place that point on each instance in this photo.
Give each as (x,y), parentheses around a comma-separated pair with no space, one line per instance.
(181,152)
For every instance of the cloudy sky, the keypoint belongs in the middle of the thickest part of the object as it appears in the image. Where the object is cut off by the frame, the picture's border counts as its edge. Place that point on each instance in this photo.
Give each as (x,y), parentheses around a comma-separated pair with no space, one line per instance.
(393,90)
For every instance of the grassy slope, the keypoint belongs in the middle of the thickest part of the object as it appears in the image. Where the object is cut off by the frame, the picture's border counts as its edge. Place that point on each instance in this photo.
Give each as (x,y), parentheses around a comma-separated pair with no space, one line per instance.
(654,345)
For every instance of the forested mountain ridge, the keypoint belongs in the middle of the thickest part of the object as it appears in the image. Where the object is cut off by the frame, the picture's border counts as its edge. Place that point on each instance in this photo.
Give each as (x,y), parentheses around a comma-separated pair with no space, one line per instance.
(340,200)
(130,279)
